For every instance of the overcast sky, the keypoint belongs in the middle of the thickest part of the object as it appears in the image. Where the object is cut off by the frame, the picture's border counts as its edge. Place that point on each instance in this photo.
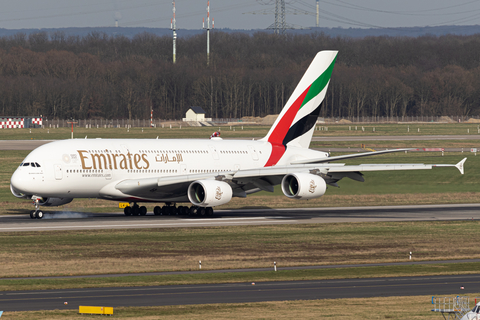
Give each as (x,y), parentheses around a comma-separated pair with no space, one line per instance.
(236,14)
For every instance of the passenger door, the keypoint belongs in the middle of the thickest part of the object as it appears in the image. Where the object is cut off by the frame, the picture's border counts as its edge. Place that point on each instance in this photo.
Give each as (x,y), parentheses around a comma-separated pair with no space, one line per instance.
(58,171)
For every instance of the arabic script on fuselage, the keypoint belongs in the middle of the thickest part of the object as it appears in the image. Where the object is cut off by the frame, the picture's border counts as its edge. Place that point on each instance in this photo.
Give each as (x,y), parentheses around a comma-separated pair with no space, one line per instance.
(165,158)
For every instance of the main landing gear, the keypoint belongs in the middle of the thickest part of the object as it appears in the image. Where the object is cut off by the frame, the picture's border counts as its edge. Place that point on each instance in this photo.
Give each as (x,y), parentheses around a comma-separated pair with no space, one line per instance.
(37,213)
(169,210)
(135,210)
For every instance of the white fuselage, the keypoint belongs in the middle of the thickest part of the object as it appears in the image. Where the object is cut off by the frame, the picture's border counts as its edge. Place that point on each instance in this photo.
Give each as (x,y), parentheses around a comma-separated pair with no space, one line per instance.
(81,168)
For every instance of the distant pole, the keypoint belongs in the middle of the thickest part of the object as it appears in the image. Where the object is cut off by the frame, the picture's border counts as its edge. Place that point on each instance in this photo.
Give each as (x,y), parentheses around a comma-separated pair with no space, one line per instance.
(318,15)
(173,26)
(208,31)
(151,118)
(72,122)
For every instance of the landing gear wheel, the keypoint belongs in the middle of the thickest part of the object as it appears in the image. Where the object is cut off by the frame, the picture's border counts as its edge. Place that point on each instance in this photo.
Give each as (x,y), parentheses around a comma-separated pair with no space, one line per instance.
(142,210)
(183,210)
(157,211)
(135,210)
(127,211)
(165,210)
(202,212)
(39,214)
(193,211)
(209,211)
(33,214)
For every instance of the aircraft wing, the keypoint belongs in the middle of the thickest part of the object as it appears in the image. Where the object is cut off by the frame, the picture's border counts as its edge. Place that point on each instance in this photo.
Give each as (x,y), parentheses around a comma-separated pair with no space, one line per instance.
(253,180)
(349,156)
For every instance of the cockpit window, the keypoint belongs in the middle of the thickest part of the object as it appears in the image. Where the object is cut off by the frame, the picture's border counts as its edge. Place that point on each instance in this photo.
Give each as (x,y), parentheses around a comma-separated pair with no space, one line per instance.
(28,164)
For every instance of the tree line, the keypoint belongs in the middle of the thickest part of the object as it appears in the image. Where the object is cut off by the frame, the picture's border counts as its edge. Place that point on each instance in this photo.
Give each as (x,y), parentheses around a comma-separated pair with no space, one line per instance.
(115,77)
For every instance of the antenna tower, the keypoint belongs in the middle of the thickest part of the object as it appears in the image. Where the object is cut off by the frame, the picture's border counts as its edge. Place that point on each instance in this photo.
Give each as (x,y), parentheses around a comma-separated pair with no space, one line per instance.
(318,14)
(208,31)
(173,26)
(280,25)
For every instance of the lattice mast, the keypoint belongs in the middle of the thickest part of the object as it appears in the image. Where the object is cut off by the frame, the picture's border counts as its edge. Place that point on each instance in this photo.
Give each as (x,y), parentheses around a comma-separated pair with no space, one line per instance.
(208,31)
(280,24)
(173,27)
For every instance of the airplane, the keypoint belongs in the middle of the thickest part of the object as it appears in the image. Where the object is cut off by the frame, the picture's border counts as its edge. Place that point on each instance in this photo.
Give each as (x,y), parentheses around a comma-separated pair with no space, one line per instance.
(203,173)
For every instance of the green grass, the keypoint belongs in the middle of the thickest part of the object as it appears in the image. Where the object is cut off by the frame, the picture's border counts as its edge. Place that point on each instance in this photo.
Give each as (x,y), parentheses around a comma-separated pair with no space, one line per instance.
(412,129)
(89,252)
(242,277)
(238,131)
(382,144)
(134,133)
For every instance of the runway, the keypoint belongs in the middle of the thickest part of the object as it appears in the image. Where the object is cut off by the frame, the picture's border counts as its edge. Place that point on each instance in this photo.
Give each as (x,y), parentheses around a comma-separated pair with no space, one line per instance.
(238,292)
(91,221)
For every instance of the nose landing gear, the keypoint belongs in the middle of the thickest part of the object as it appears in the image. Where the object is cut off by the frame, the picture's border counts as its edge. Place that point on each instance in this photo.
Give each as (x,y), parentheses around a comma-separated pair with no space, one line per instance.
(37,213)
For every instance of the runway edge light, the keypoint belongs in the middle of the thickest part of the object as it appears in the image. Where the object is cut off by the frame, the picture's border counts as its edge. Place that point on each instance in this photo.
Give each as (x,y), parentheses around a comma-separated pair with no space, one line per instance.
(95,310)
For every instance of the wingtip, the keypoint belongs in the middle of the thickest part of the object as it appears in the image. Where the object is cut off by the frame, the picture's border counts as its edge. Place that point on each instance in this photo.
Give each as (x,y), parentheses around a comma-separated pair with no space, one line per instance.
(460,166)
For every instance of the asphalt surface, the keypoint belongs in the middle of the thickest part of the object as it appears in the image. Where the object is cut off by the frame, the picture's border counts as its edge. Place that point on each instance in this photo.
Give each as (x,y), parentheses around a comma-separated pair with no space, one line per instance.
(238,293)
(71,220)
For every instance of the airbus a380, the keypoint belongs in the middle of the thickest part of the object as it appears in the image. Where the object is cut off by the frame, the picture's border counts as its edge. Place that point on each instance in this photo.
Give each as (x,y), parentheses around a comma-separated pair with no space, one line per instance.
(203,173)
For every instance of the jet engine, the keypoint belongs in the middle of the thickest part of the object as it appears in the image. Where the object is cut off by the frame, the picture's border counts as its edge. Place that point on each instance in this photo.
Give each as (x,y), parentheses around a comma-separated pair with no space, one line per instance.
(209,193)
(303,186)
(54,202)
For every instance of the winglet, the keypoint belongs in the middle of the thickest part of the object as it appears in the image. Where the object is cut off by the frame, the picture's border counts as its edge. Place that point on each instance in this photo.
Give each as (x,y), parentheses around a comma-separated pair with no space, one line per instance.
(460,165)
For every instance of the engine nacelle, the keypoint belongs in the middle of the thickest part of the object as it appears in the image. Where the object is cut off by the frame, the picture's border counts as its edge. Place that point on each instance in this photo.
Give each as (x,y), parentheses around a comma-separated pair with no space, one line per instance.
(209,193)
(303,186)
(54,202)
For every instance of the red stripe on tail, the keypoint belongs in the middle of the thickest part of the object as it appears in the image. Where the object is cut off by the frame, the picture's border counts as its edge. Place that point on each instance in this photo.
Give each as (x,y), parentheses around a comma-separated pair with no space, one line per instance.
(281,129)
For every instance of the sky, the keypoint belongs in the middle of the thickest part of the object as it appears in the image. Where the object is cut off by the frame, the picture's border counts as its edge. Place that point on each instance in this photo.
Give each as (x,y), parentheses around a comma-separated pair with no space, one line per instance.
(236,14)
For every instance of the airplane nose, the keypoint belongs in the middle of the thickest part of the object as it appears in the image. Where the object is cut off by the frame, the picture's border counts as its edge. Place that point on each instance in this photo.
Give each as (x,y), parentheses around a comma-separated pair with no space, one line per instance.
(19,184)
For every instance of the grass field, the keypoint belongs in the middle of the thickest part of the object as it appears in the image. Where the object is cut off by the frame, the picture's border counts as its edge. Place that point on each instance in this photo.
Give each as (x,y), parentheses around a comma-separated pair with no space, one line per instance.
(151,250)
(243,277)
(419,307)
(240,131)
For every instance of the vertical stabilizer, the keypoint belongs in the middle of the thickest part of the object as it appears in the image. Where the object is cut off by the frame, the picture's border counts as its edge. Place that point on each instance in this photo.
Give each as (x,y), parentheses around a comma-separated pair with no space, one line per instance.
(296,123)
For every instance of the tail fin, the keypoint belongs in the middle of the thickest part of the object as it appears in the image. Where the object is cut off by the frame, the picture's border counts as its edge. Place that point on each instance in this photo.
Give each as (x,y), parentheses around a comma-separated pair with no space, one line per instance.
(296,123)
